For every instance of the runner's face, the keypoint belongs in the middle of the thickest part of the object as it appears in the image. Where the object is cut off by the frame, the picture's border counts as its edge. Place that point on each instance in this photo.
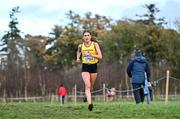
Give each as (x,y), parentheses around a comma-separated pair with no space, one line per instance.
(87,37)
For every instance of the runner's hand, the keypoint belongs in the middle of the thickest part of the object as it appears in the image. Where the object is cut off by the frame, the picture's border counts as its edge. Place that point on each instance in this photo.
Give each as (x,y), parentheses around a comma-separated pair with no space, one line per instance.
(78,60)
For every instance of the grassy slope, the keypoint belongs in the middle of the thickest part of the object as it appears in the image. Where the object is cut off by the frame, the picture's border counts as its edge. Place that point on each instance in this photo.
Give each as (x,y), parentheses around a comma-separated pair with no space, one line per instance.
(108,110)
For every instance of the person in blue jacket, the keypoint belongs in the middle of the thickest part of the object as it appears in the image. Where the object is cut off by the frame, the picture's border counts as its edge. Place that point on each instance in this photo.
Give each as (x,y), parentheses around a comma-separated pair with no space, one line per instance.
(136,70)
(147,92)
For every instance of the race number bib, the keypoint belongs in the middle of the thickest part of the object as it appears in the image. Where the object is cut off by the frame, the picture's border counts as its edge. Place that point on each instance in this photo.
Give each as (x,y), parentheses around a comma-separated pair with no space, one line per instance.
(88,58)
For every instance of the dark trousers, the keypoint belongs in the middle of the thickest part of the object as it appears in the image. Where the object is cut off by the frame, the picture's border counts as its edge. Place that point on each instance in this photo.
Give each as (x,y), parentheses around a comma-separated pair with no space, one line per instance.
(61,99)
(138,92)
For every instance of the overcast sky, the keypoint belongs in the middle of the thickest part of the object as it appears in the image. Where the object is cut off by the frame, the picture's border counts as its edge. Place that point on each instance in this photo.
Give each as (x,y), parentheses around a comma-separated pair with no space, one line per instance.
(38,17)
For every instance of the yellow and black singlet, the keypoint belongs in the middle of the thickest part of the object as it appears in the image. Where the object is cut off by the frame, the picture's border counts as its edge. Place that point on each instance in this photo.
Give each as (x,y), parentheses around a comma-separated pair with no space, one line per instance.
(90,49)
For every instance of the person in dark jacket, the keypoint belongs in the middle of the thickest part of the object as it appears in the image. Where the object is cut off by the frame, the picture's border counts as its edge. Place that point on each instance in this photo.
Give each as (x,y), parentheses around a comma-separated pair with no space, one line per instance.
(136,70)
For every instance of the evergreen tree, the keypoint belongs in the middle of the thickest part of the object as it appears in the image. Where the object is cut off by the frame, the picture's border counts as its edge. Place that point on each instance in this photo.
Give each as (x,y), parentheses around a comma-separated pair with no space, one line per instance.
(12,41)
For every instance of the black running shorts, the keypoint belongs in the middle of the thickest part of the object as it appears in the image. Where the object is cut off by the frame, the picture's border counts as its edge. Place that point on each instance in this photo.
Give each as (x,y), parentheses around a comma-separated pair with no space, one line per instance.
(91,68)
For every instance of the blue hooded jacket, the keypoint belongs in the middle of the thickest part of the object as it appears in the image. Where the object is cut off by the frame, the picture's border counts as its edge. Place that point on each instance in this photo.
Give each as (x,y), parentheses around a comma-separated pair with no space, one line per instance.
(137,68)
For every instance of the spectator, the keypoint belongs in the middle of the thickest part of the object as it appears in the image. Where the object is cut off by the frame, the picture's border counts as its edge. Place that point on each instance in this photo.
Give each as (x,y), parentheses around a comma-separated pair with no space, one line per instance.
(111,94)
(147,92)
(136,71)
(62,93)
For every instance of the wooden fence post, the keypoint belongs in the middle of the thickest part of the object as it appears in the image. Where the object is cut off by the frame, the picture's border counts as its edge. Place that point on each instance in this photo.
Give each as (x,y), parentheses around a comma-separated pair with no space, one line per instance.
(75,94)
(104,92)
(167,86)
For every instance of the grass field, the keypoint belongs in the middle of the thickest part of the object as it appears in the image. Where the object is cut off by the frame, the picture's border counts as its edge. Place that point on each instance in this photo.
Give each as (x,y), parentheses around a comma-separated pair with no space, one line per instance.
(107,110)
